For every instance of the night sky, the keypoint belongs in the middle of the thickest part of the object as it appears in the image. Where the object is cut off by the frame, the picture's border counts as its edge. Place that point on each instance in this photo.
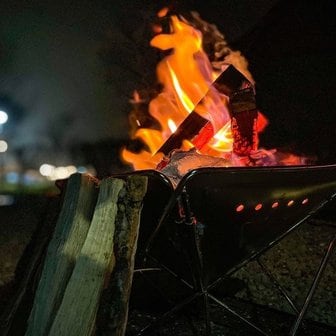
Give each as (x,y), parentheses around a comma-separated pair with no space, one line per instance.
(60,92)
(51,73)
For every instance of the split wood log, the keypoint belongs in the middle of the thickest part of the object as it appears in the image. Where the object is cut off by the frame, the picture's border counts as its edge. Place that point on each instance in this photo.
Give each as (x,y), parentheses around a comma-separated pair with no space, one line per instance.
(80,257)
(77,312)
(113,310)
(69,236)
(114,228)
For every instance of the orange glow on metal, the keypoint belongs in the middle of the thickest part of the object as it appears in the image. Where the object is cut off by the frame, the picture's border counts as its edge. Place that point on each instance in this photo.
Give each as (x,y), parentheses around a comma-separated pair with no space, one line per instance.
(290,203)
(258,207)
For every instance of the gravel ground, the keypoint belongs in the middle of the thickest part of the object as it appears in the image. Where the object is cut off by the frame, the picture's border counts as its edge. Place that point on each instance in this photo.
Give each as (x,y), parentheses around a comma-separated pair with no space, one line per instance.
(293,263)
(272,322)
(17,224)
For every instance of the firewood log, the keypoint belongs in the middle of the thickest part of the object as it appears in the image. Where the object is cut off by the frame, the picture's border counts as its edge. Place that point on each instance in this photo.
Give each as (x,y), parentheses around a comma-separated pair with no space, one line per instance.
(77,312)
(67,241)
(113,310)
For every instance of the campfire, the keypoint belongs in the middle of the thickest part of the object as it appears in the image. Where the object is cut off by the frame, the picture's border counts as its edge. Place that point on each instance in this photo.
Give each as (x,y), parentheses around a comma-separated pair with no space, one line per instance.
(171,220)
(206,113)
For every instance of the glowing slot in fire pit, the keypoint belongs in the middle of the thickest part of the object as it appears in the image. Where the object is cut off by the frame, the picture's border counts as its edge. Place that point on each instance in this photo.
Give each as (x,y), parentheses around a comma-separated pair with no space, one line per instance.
(290,203)
(258,207)
(305,201)
(240,208)
(275,205)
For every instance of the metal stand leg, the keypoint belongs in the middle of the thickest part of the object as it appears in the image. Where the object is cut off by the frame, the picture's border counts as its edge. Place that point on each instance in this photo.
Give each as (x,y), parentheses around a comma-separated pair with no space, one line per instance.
(207,314)
(277,285)
(149,329)
(233,312)
(313,287)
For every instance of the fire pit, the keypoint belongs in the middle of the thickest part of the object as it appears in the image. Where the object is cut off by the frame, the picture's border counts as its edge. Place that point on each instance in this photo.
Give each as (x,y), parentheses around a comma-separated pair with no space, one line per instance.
(238,212)
(218,219)
(215,199)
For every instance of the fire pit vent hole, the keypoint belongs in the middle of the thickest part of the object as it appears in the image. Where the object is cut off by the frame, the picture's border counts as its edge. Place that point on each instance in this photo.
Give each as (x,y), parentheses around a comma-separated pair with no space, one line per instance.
(305,201)
(275,205)
(240,208)
(258,207)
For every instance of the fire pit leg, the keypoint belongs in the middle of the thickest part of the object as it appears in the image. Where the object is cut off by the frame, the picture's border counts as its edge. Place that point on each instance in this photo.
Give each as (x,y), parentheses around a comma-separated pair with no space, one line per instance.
(311,292)
(150,328)
(190,221)
(198,276)
(277,285)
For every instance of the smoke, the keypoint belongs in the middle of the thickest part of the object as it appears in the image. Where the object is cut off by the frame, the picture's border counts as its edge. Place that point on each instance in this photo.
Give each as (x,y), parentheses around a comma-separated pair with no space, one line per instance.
(49,66)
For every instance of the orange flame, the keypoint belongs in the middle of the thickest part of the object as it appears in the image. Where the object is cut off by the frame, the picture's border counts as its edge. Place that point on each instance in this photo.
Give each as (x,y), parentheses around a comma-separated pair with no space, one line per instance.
(186,75)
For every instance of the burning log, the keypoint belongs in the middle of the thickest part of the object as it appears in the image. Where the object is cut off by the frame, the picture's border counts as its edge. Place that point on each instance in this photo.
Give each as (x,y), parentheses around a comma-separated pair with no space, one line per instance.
(190,127)
(199,130)
(244,117)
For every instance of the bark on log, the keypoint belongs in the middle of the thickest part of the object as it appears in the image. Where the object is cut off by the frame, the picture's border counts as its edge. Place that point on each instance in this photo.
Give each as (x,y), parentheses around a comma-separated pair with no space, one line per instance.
(69,236)
(113,310)
(77,312)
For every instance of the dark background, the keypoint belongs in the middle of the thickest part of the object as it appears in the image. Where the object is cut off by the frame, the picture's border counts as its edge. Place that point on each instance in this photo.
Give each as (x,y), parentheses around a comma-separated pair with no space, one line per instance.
(68,70)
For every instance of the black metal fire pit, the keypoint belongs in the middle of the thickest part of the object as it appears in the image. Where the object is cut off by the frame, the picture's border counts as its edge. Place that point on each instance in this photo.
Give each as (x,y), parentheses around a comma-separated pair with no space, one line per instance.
(218,219)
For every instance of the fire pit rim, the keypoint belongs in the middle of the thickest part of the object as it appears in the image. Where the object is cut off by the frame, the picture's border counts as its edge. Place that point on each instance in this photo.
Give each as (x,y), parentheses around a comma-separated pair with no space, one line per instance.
(228,170)
(268,170)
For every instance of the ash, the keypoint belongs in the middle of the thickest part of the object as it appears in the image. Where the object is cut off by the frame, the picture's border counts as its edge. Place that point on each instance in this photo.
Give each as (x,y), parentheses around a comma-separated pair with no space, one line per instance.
(179,163)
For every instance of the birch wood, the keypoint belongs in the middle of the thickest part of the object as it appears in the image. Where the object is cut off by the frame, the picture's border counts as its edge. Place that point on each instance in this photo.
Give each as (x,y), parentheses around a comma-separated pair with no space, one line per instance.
(68,238)
(77,312)
(114,304)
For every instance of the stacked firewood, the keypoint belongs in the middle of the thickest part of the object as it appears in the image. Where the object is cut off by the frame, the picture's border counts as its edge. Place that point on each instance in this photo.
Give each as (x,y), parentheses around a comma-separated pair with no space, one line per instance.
(88,265)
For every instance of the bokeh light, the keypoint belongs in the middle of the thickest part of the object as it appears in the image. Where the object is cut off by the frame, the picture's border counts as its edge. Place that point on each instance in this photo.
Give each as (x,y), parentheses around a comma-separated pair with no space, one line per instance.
(3,146)
(3,117)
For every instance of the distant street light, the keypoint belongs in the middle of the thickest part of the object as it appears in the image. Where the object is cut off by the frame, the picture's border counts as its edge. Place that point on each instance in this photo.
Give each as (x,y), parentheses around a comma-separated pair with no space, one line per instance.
(3,146)
(3,117)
